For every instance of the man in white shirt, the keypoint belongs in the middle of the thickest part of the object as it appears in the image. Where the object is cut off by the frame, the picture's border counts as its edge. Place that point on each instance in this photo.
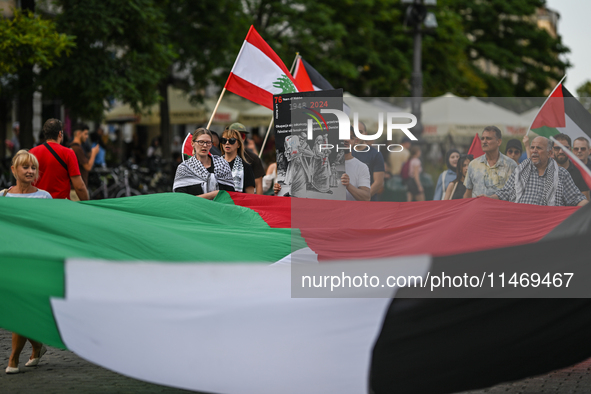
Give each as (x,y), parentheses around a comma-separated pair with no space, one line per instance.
(356,178)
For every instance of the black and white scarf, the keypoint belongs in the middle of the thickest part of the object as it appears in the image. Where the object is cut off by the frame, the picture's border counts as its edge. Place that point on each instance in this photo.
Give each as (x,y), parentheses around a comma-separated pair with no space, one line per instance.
(192,172)
(238,174)
(550,185)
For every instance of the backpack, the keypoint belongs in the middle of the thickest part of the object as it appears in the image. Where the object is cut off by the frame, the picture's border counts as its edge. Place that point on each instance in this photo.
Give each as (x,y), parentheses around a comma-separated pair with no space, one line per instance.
(405,172)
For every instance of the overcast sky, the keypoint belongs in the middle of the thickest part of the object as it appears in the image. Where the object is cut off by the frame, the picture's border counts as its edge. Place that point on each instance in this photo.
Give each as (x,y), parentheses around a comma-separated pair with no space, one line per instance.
(574,26)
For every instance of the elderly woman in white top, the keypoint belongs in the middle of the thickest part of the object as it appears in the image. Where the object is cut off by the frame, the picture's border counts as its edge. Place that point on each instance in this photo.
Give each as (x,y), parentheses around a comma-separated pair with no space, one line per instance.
(25,169)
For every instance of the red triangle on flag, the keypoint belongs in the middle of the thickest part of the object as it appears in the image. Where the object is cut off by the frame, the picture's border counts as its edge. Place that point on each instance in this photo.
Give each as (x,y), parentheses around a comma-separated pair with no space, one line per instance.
(552,112)
(476,147)
(302,78)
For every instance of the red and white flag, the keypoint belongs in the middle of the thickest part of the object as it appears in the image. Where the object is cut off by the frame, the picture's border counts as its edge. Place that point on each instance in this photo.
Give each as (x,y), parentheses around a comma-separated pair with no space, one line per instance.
(259,73)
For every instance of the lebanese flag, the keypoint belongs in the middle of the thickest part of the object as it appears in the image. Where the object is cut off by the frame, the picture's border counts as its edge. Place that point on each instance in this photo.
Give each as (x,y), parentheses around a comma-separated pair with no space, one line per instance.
(217,274)
(476,147)
(308,79)
(258,73)
(562,113)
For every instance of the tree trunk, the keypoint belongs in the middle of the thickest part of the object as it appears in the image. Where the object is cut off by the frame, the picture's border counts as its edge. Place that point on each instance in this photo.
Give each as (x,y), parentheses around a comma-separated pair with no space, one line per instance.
(26,84)
(3,121)
(165,120)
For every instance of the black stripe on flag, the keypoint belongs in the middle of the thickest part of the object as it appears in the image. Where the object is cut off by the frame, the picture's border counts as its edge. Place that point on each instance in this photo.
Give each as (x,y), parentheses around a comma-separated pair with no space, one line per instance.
(316,78)
(575,110)
(445,345)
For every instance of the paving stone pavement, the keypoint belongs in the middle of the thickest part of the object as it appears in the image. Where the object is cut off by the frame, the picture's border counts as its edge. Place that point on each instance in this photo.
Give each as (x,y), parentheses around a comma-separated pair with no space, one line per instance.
(61,371)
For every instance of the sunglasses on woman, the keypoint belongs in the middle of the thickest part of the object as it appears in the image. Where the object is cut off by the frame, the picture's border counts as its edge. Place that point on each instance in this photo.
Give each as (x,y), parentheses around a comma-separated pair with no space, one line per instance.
(230,141)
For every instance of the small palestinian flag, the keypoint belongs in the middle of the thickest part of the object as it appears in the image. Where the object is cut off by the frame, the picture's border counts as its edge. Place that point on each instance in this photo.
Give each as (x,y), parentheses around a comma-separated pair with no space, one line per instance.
(207,284)
(476,147)
(308,79)
(562,113)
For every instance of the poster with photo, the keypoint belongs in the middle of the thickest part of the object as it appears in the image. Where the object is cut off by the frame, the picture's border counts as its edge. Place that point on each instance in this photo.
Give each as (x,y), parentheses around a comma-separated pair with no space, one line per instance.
(309,165)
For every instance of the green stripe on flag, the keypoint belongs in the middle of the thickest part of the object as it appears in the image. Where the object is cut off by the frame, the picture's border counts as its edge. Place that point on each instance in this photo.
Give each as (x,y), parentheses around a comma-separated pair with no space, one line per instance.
(546,131)
(38,235)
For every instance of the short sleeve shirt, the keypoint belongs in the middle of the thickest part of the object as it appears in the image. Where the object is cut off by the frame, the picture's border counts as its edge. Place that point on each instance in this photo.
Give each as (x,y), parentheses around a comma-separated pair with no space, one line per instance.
(577,177)
(82,160)
(53,177)
(485,180)
(373,160)
(358,175)
(255,163)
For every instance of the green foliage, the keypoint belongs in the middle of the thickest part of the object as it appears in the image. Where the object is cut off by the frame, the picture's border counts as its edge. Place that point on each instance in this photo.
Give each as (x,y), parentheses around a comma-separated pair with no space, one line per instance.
(363,47)
(28,40)
(205,36)
(584,93)
(522,57)
(121,52)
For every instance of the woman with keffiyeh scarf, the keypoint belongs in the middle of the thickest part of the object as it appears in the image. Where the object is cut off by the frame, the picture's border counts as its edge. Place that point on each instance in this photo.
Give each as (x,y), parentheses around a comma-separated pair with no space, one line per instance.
(242,173)
(203,175)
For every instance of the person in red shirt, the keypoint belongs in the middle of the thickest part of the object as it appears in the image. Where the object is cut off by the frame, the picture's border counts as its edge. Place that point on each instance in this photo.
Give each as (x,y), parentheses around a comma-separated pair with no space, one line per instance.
(58,165)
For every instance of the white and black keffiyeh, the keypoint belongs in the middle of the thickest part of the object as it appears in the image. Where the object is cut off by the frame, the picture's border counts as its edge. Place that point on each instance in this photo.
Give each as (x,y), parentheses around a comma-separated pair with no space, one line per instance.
(554,188)
(522,175)
(192,172)
(238,174)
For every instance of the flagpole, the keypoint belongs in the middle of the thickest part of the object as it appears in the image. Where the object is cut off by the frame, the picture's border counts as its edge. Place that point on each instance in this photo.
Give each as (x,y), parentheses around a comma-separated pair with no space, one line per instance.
(271,122)
(216,108)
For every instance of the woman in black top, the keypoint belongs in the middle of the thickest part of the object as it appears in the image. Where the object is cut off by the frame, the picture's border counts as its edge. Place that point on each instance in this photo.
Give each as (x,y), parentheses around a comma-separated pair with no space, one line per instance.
(456,189)
(203,174)
(242,173)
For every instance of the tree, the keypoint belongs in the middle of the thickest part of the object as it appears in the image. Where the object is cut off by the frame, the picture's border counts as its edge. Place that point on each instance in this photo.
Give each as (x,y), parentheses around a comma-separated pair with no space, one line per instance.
(205,37)
(26,41)
(363,47)
(524,60)
(120,54)
(584,93)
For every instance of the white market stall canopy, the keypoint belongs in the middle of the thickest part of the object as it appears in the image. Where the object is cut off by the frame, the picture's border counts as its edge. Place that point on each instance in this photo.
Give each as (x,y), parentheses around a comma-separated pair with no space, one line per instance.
(450,114)
(369,110)
(182,111)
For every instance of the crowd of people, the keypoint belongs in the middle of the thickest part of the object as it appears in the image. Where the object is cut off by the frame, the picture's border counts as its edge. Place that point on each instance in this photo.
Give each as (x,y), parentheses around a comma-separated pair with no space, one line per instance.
(540,174)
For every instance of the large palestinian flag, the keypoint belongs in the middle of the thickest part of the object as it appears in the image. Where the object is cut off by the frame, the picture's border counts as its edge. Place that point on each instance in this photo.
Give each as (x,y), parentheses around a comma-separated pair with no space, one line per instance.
(562,113)
(133,282)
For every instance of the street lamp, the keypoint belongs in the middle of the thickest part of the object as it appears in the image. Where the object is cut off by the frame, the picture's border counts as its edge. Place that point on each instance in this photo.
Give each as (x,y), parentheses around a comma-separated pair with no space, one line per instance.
(420,20)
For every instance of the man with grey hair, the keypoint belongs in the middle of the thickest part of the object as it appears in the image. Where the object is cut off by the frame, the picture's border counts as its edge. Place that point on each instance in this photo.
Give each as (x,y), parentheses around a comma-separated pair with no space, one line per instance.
(581,149)
(539,180)
(489,172)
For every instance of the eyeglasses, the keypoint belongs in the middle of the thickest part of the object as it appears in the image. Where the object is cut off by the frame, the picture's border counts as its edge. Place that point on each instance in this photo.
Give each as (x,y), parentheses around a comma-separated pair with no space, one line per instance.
(513,151)
(580,149)
(204,143)
(230,141)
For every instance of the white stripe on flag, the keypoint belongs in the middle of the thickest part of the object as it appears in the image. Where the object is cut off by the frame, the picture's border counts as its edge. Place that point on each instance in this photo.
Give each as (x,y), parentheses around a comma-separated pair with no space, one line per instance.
(257,68)
(230,328)
(571,129)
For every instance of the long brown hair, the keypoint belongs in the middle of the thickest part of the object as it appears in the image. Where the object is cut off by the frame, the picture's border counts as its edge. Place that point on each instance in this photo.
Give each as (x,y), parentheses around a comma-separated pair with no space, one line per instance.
(228,133)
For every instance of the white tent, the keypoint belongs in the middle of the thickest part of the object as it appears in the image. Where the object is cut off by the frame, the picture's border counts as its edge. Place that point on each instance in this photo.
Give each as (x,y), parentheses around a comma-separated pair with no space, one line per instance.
(528,116)
(369,110)
(464,118)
